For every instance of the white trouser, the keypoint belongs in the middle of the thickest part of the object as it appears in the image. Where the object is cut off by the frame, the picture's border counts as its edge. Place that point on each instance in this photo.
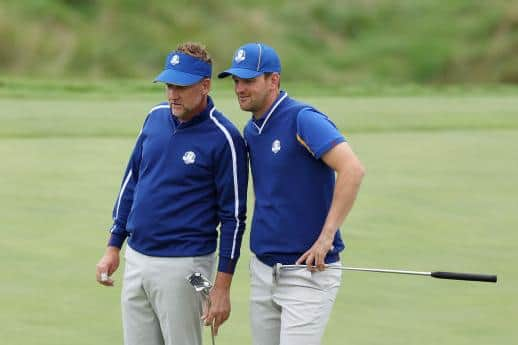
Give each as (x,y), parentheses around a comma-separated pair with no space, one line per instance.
(159,306)
(295,309)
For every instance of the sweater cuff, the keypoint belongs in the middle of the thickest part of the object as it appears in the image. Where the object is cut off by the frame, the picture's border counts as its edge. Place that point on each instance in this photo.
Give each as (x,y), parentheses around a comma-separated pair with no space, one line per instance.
(226,265)
(116,240)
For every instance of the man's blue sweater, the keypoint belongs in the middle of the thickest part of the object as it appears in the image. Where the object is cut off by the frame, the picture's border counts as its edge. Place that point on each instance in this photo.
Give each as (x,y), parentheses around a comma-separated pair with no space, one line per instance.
(293,186)
(182,180)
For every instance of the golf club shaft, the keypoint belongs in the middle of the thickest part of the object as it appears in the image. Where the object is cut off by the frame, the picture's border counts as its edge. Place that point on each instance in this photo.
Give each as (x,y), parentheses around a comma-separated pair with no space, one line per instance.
(439,275)
(207,300)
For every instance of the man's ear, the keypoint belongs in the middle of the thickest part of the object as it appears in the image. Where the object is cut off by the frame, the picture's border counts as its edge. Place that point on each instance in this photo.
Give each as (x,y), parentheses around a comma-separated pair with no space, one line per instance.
(205,85)
(276,79)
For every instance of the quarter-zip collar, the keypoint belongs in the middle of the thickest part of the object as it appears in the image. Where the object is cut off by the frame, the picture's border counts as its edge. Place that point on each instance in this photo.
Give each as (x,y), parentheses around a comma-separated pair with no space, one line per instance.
(198,118)
(260,123)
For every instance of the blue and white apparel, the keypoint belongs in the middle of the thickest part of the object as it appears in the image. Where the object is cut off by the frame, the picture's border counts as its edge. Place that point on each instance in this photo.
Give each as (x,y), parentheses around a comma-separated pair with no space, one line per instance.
(293,194)
(182,180)
(294,191)
(293,186)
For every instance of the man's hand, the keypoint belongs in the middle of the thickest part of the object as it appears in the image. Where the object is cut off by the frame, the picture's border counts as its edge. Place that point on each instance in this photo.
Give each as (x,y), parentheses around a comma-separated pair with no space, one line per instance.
(219,302)
(315,256)
(107,266)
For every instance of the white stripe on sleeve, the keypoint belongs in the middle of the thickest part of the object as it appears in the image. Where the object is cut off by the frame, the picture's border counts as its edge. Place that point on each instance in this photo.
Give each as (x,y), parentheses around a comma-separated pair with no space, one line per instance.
(234,173)
(160,106)
(122,192)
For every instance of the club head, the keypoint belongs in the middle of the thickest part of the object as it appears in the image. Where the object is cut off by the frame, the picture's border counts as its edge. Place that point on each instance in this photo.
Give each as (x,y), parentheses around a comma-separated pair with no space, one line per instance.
(199,282)
(276,272)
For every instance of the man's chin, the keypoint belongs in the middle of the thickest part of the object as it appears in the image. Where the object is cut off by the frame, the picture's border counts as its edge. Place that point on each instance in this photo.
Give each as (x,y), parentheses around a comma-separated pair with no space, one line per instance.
(180,115)
(178,112)
(245,107)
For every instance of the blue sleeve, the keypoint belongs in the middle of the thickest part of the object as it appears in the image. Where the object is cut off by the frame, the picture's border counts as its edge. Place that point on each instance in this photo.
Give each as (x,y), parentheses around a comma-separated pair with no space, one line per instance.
(231,179)
(316,132)
(124,201)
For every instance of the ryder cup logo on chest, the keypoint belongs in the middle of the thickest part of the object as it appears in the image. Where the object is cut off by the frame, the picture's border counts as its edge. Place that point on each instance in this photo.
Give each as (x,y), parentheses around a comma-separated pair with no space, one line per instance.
(240,56)
(189,157)
(276,146)
(175,60)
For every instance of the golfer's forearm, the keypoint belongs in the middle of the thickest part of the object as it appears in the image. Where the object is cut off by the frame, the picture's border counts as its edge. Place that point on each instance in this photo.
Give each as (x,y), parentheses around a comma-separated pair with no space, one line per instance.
(112,250)
(223,280)
(346,189)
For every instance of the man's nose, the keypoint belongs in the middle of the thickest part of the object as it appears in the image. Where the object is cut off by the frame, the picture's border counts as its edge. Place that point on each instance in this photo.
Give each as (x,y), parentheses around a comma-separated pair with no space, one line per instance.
(239,87)
(172,93)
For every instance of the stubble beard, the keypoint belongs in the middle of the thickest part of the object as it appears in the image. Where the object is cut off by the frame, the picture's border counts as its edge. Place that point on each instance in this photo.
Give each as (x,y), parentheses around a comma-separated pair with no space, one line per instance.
(253,105)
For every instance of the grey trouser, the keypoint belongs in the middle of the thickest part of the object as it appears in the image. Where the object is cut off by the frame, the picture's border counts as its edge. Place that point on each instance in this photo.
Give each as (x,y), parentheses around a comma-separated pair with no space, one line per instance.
(159,307)
(295,309)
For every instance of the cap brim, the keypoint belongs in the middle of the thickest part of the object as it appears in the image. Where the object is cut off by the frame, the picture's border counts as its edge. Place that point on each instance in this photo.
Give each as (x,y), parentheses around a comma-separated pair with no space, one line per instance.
(170,76)
(240,73)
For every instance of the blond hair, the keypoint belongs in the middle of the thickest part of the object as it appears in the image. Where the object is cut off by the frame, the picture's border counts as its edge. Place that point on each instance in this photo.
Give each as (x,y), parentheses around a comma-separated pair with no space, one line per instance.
(197,50)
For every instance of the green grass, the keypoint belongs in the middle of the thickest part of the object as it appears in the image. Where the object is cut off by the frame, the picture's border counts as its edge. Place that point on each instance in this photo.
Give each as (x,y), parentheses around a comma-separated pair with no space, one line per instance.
(439,194)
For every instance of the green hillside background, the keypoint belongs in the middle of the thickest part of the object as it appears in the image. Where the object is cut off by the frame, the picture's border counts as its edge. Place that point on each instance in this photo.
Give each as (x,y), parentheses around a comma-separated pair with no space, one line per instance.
(324,42)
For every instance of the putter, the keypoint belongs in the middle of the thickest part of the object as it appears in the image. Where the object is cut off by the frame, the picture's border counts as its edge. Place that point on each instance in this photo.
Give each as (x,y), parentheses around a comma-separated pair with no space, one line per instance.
(440,275)
(202,286)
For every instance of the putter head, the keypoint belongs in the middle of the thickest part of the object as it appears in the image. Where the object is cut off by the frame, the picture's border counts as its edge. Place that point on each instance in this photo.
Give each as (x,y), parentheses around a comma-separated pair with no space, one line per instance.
(199,282)
(276,273)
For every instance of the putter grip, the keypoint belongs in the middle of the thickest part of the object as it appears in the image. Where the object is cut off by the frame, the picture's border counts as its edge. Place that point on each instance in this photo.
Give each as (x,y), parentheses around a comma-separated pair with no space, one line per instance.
(465,276)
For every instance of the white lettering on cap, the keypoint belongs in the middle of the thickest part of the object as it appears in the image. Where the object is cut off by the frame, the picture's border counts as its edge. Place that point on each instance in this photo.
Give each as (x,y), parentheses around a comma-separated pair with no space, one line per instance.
(175,60)
(240,56)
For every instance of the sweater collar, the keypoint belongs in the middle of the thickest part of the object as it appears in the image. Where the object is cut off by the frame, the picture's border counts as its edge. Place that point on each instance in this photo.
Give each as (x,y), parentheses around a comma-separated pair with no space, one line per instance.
(261,122)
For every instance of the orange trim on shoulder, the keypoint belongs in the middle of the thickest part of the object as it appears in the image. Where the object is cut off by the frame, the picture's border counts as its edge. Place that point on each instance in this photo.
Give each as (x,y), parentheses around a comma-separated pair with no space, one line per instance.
(303,143)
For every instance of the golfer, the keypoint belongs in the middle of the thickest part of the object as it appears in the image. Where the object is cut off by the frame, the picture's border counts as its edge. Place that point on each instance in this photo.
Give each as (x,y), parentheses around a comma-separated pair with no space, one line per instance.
(295,151)
(187,174)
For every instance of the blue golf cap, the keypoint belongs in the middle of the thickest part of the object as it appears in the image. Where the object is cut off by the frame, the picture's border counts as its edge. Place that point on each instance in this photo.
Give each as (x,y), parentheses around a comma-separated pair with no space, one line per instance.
(252,60)
(183,69)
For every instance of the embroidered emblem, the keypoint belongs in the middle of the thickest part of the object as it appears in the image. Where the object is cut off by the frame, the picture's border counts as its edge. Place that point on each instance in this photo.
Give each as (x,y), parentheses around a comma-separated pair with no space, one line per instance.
(189,157)
(175,60)
(276,146)
(240,56)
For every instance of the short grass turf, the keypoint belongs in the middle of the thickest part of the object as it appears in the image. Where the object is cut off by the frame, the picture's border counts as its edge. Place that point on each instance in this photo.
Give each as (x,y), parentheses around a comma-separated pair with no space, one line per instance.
(439,194)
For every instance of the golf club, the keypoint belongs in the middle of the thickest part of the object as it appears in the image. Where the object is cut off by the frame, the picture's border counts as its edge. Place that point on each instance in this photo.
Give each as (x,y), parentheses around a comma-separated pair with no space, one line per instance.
(202,286)
(439,274)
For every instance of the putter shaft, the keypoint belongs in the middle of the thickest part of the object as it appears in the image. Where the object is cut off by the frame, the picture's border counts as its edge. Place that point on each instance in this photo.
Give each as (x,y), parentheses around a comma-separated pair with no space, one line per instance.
(439,274)
(344,268)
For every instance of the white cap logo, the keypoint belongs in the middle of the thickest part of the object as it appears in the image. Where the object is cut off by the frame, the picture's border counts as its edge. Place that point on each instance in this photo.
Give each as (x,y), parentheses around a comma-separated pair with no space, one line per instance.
(175,60)
(189,157)
(240,56)
(276,146)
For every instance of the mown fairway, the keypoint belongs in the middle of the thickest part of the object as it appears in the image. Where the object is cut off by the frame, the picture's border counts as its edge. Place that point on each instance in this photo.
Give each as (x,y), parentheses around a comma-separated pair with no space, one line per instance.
(440,194)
